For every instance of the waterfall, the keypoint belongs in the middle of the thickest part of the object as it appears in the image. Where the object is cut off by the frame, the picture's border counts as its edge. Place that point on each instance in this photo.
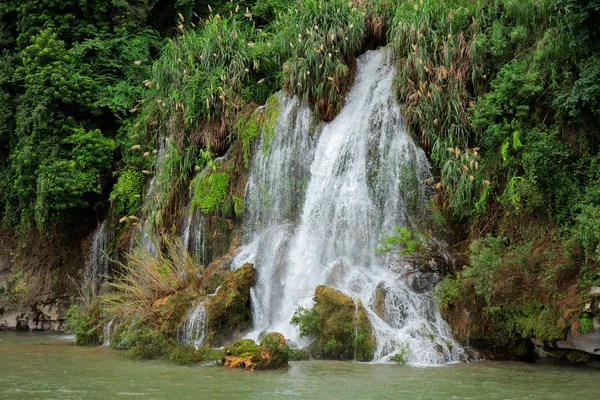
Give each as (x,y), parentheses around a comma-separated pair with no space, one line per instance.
(193,237)
(97,265)
(318,200)
(106,331)
(193,331)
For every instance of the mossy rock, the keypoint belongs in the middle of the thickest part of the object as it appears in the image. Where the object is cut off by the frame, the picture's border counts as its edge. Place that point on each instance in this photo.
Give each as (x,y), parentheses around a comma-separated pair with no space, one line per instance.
(272,353)
(214,275)
(341,327)
(229,310)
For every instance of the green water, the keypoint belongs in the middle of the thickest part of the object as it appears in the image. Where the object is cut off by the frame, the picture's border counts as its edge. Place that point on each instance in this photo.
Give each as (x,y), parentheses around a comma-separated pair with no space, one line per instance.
(41,366)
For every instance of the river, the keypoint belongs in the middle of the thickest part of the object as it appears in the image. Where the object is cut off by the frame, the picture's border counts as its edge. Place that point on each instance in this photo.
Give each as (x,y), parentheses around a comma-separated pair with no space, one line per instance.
(44,366)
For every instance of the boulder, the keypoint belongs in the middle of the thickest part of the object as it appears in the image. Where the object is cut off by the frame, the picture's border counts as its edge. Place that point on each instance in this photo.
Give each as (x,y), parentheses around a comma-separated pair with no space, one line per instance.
(588,343)
(595,291)
(272,353)
(229,310)
(345,331)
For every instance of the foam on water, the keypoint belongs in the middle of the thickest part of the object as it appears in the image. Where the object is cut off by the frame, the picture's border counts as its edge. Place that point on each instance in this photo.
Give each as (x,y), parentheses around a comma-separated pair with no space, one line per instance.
(318,200)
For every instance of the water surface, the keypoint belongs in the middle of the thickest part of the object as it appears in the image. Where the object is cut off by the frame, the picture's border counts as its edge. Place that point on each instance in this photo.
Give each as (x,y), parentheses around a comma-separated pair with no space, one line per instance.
(42,366)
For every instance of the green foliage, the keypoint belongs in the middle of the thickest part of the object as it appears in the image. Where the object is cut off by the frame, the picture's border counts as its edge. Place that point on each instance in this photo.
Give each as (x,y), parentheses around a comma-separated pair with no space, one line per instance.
(586,323)
(401,357)
(210,191)
(85,323)
(340,328)
(307,321)
(512,292)
(405,239)
(146,343)
(321,39)
(190,355)
(126,194)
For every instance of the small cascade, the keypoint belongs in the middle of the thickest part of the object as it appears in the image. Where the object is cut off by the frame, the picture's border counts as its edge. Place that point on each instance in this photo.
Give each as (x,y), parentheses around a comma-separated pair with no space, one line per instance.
(145,232)
(106,333)
(193,236)
(319,199)
(97,265)
(194,330)
(193,233)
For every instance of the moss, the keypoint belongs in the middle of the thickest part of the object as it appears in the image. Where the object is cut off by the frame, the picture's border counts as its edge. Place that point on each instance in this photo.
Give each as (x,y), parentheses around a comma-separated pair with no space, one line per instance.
(272,353)
(190,355)
(275,352)
(380,295)
(177,307)
(229,310)
(340,327)
(123,196)
(572,356)
(210,192)
(271,112)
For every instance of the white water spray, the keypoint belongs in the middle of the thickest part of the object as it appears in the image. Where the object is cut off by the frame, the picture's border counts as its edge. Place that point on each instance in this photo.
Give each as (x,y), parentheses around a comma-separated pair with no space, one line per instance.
(318,201)
(97,265)
(194,330)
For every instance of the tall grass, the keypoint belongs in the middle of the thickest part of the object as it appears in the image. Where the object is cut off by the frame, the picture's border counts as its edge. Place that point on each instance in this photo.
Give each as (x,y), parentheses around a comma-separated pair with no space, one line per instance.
(320,40)
(145,282)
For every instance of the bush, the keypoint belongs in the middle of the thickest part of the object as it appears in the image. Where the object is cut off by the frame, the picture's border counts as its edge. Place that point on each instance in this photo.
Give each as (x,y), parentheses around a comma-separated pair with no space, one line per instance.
(191,355)
(86,324)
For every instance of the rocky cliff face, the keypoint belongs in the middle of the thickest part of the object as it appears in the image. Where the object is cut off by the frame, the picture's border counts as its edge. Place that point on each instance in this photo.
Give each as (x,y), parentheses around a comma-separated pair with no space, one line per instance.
(37,280)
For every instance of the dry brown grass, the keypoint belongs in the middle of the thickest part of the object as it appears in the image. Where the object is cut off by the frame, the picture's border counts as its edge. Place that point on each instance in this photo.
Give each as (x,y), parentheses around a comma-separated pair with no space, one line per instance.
(148,280)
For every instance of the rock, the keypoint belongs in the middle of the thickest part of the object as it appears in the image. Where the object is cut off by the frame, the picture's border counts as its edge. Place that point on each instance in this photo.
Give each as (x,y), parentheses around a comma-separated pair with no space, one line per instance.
(44,316)
(273,353)
(595,291)
(229,310)
(345,331)
(588,343)
(380,295)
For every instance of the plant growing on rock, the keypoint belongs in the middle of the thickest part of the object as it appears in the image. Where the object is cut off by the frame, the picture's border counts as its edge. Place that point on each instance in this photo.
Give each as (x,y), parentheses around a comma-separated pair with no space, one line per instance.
(340,327)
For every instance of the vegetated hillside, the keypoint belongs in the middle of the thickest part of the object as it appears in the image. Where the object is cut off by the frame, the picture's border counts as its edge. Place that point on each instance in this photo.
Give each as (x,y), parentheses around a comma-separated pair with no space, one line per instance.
(98,98)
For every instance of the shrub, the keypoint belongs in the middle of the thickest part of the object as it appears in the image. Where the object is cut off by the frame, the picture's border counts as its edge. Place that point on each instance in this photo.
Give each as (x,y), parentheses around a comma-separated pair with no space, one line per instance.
(85,323)
(192,355)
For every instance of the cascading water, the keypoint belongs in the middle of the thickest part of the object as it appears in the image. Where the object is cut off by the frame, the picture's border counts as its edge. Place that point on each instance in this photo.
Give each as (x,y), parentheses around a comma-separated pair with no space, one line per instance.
(193,331)
(320,197)
(193,237)
(97,265)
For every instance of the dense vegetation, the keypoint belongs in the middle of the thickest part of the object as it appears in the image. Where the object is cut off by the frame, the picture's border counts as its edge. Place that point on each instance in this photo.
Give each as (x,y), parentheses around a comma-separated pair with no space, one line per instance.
(101,102)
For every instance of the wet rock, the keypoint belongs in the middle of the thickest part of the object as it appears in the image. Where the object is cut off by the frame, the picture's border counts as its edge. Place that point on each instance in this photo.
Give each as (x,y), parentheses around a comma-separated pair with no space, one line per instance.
(344,328)
(229,310)
(272,353)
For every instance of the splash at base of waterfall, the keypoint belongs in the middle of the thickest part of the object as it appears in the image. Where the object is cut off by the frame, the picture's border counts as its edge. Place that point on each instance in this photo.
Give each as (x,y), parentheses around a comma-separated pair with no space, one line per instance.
(318,202)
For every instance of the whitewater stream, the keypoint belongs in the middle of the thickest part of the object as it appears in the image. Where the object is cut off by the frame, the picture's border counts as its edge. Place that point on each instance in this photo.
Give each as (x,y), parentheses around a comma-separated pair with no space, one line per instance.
(319,199)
